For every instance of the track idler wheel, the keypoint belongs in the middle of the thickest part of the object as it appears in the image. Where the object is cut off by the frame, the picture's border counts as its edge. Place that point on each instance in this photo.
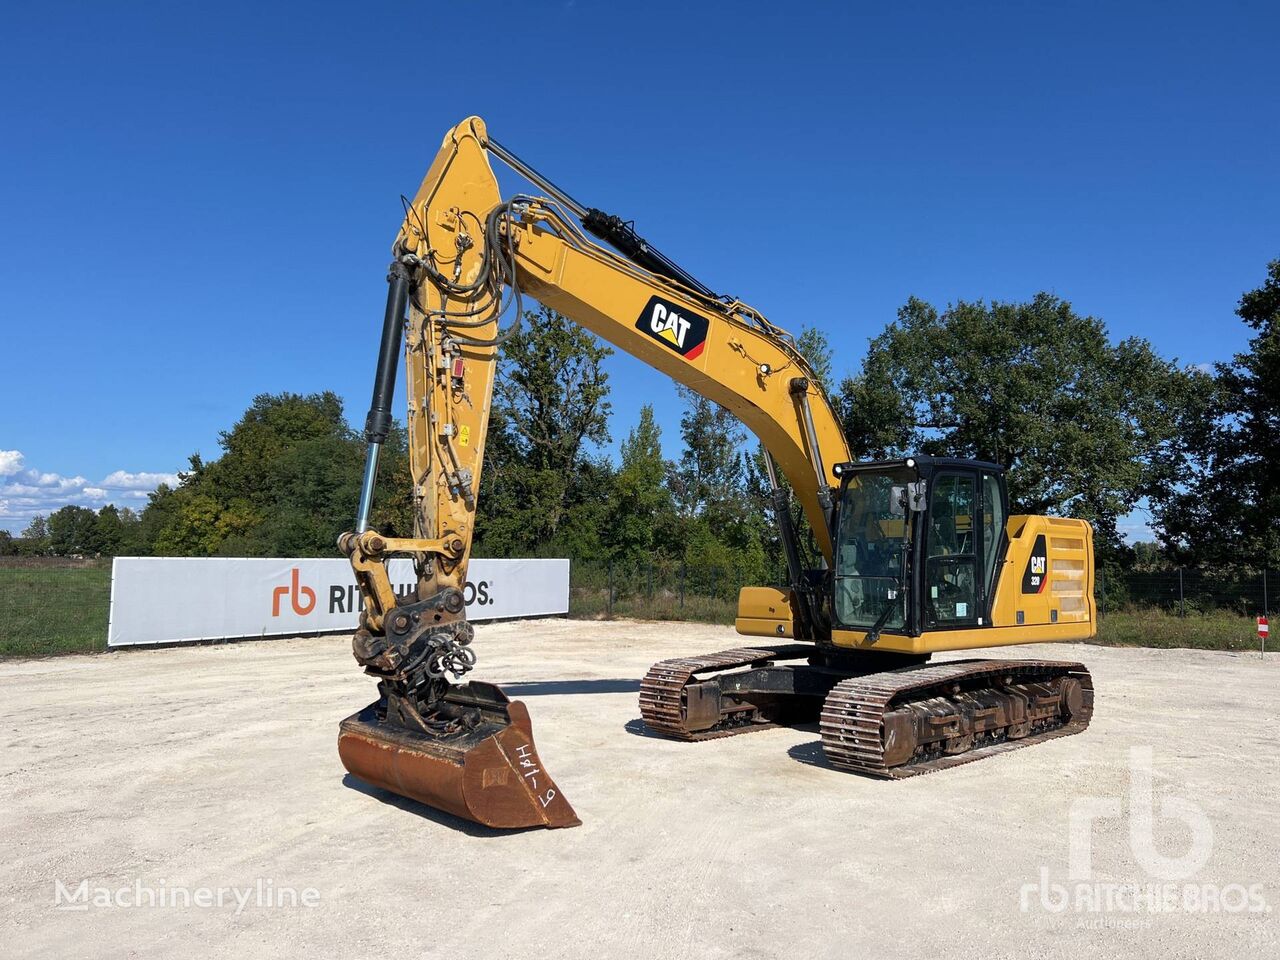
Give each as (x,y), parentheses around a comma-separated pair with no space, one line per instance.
(1071,697)
(482,767)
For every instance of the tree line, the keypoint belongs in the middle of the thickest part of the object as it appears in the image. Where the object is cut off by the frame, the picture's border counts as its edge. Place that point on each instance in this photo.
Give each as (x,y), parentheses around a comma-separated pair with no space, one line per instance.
(1088,427)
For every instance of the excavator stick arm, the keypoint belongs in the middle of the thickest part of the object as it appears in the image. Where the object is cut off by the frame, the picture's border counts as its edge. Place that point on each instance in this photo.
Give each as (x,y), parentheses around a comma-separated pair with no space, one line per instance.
(461,262)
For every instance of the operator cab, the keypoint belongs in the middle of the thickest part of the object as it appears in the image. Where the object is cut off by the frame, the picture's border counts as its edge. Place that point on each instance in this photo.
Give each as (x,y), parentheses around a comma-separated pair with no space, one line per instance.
(918,544)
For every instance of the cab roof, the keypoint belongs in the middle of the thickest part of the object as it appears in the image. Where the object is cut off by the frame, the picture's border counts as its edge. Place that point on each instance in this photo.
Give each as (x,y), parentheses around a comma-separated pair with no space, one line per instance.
(924,464)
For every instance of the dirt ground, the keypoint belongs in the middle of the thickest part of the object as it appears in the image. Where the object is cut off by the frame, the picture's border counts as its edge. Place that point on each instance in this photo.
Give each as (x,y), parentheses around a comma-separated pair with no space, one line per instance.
(153,774)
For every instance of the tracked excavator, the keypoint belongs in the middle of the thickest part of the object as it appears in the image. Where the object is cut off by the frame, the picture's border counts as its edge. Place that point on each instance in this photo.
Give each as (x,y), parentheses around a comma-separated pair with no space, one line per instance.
(918,555)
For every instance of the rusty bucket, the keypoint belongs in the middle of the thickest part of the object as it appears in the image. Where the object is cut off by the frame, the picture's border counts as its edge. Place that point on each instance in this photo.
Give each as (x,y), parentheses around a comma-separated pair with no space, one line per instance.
(488,771)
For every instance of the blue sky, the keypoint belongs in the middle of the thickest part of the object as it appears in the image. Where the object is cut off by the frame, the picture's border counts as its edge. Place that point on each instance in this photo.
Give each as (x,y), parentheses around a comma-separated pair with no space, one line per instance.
(197,200)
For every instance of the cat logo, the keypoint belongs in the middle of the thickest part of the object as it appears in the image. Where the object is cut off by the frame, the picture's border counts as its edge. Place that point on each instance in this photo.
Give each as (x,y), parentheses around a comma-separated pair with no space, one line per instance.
(675,327)
(1036,575)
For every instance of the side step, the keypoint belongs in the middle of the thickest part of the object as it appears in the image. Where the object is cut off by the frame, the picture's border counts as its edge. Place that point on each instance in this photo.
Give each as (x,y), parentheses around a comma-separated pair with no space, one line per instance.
(902,723)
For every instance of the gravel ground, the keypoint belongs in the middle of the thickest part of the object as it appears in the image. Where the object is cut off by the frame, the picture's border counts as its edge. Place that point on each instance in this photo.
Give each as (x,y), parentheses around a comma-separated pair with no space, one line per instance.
(165,771)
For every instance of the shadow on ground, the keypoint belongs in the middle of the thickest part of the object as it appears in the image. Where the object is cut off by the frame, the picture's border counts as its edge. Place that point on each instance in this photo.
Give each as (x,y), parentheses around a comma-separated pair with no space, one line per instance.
(805,752)
(425,812)
(538,688)
(810,753)
(637,728)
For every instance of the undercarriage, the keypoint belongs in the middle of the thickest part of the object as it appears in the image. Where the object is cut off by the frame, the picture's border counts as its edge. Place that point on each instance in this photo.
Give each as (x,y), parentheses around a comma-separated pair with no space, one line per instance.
(884,715)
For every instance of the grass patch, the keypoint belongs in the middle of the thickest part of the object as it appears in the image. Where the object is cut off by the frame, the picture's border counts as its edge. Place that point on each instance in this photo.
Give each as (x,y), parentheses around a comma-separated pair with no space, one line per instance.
(49,608)
(1152,627)
(1129,627)
(592,603)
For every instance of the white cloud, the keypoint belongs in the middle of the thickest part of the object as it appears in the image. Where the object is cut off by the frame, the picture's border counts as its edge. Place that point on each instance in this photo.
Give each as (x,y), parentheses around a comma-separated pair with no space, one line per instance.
(123,480)
(55,481)
(26,492)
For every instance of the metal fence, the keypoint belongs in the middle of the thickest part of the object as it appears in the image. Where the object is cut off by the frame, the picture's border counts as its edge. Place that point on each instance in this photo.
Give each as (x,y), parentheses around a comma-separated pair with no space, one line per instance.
(668,587)
(1184,592)
(53,605)
(661,588)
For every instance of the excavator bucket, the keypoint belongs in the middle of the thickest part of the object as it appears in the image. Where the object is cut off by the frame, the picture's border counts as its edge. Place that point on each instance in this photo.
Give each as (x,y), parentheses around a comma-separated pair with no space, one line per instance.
(486,770)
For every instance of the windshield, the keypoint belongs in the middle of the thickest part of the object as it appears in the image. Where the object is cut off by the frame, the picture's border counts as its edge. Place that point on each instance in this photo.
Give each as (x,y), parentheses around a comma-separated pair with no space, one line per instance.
(871,551)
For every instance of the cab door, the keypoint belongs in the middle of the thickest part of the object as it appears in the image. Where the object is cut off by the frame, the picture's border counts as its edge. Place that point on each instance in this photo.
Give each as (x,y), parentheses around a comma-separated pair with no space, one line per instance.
(995,540)
(953,588)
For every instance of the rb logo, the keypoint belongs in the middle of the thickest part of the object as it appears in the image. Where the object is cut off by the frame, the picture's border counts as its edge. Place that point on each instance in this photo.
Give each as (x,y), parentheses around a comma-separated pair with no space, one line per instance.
(296,594)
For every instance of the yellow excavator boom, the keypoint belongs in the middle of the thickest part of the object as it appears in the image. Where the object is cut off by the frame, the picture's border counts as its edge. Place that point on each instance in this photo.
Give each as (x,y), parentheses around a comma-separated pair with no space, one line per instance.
(461,262)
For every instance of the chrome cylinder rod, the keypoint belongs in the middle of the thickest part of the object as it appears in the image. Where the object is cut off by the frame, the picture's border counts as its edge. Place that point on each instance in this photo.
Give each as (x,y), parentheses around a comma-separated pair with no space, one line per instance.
(534,177)
(366,486)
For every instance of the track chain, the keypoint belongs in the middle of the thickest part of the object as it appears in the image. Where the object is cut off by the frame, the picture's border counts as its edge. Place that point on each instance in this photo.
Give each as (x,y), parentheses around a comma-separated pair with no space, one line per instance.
(851,725)
(662,690)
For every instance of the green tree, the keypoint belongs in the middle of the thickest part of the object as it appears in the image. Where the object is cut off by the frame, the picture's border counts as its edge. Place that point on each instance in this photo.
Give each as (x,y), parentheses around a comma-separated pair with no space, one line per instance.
(8,545)
(108,530)
(642,514)
(1149,558)
(816,348)
(34,541)
(708,478)
(721,526)
(1086,427)
(550,404)
(286,484)
(1227,514)
(73,531)
(131,541)
(160,512)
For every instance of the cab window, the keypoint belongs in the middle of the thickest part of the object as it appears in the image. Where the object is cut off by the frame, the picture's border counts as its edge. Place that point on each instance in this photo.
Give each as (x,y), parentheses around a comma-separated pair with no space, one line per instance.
(993,521)
(951,559)
(871,550)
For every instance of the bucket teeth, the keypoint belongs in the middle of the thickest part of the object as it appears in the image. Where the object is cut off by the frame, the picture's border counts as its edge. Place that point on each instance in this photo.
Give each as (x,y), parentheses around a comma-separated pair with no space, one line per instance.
(489,773)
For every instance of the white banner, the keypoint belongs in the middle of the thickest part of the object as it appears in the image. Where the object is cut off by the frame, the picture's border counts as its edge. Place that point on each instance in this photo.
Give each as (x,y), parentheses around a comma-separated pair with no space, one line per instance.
(175,599)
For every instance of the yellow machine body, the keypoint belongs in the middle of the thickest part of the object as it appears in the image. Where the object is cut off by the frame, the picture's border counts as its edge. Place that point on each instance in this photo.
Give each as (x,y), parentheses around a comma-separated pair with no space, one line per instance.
(1062,610)
(462,258)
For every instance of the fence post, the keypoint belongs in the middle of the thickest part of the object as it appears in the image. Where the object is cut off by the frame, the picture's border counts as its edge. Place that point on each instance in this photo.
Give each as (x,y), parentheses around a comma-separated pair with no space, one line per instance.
(1182,599)
(1102,589)
(682,583)
(609,603)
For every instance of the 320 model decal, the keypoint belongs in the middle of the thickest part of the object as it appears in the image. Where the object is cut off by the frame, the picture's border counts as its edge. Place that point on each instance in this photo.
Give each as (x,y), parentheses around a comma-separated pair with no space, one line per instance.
(1036,575)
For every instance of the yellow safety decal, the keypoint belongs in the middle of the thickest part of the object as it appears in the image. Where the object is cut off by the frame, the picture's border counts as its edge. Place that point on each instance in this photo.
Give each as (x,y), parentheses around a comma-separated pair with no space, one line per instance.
(464,436)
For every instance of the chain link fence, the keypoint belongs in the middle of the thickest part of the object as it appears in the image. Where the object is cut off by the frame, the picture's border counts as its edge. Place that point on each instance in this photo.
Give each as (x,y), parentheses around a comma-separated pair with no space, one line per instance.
(661,588)
(1173,608)
(665,588)
(54,605)
(1185,592)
